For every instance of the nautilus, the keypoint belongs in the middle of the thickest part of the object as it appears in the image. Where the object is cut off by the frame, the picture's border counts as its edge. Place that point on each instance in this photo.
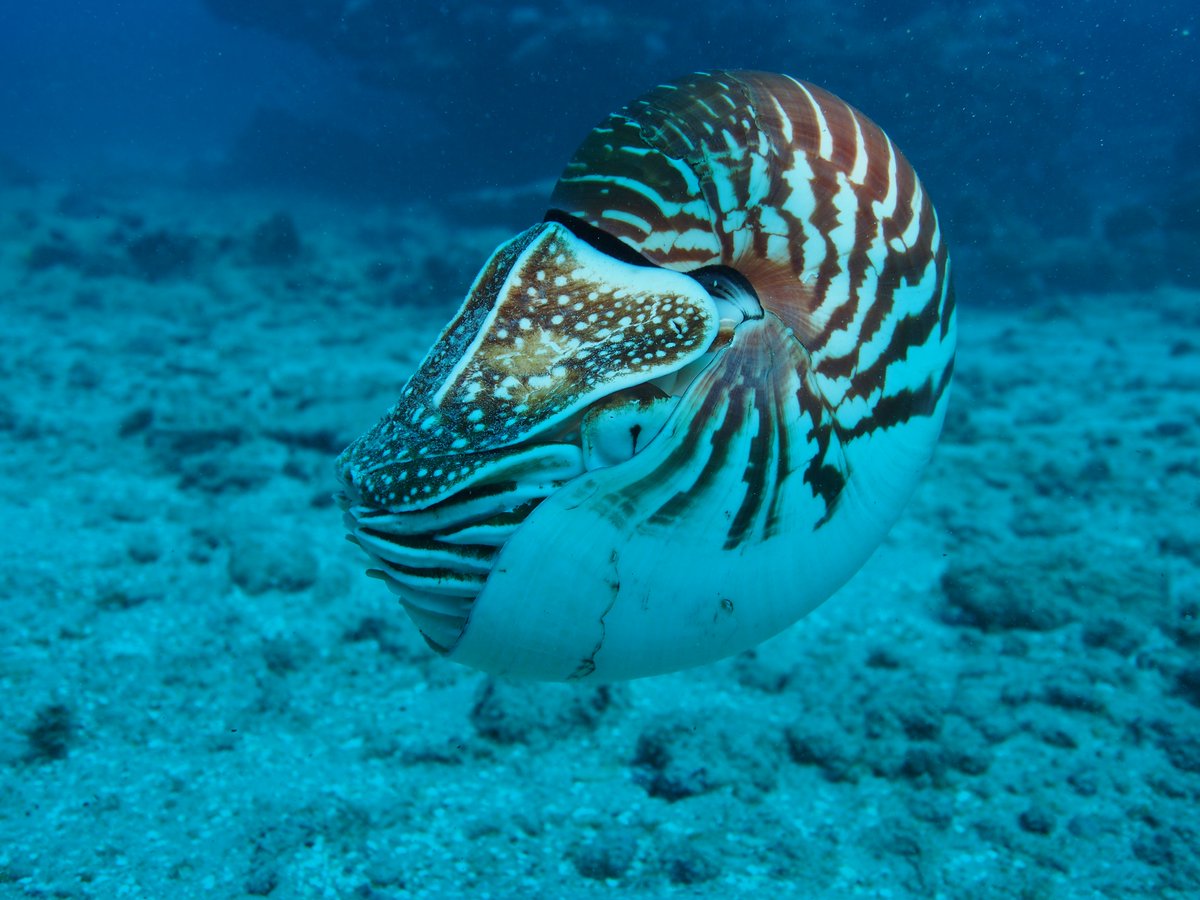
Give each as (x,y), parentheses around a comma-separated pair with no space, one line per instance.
(679,413)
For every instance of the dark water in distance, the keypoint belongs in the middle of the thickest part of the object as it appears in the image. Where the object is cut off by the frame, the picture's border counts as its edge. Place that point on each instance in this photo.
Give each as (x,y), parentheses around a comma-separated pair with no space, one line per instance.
(1115,85)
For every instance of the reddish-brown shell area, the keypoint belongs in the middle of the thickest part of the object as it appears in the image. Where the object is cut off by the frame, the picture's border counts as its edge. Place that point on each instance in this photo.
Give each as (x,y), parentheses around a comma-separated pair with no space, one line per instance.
(779,179)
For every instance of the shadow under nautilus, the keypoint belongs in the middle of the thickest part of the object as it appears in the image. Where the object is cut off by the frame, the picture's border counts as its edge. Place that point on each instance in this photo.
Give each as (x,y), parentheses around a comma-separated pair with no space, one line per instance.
(679,413)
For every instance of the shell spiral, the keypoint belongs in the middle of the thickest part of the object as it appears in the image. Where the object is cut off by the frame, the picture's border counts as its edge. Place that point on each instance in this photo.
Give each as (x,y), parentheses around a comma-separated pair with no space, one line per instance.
(679,414)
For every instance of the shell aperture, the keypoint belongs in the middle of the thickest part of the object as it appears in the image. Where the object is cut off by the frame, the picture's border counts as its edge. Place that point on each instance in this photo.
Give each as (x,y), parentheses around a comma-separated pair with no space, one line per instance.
(676,416)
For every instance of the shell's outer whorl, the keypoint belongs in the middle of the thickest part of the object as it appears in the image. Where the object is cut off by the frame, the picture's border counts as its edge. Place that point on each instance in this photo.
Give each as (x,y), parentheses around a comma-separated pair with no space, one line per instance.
(808,199)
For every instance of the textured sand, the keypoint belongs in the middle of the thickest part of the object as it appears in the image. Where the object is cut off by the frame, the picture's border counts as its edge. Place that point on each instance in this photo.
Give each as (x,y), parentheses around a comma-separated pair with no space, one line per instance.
(203,696)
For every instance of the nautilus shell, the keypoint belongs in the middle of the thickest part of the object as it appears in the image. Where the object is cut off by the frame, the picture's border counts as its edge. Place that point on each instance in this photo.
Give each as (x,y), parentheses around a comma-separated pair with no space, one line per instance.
(679,413)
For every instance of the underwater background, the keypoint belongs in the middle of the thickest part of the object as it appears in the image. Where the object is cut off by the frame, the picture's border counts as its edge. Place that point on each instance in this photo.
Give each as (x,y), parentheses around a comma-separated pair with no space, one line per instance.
(229,231)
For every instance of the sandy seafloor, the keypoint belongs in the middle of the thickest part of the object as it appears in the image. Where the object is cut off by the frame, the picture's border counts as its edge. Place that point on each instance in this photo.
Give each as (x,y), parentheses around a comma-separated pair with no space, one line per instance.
(202,695)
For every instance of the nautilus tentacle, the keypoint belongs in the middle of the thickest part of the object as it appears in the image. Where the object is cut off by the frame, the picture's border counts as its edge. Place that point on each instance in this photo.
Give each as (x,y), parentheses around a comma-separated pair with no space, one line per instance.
(680,413)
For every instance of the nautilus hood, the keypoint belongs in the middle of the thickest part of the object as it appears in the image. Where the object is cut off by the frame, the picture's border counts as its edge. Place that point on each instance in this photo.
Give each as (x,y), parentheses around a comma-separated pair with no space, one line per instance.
(675,416)
(551,327)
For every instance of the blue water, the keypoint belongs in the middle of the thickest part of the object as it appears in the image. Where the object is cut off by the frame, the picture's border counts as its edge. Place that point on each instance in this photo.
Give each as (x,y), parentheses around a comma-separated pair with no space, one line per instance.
(1050,113)
(229,229)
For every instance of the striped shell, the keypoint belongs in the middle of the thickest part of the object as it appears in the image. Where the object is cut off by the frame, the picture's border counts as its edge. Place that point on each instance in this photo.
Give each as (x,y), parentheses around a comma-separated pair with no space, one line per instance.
(677,415)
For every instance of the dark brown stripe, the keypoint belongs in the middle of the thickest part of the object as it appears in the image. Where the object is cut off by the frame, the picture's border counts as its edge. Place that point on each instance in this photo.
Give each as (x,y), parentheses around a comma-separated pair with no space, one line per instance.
(757,469)
(906,181)
(898,408)
(841,130)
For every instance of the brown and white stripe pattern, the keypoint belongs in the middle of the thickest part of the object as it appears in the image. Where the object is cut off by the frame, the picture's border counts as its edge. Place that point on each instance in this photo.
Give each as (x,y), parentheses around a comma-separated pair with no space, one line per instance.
(810,201)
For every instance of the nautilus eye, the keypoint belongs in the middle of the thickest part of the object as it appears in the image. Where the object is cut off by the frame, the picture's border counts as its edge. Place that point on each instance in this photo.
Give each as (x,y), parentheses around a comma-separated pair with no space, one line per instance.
(678,414)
